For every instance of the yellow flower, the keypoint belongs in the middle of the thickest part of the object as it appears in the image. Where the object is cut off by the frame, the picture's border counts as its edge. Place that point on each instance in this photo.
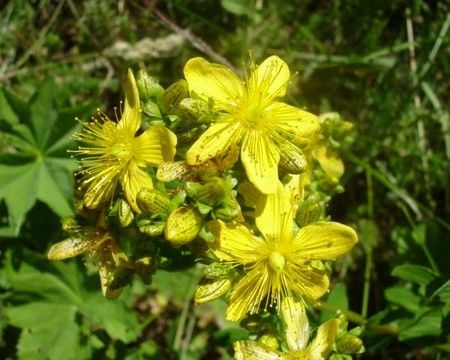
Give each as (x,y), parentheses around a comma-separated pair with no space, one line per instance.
(297,334)
(114,154)
(280,263)
(250,116)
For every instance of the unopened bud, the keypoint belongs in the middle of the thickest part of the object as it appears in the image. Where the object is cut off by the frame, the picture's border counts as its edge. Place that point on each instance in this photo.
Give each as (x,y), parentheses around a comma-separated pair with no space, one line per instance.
(216,270)
(151,109)
(194,110)
(270,341)
(150,227)
(148,87)
(309,211)
(209,194)
(153,201)
(120,278)
(292,158)
(182,226)
(211,290)
(173,95)
(228,209)
(349,344)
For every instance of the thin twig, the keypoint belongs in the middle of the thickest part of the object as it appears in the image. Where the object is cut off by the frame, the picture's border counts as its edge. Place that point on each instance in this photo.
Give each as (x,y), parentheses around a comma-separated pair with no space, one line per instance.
(194,40)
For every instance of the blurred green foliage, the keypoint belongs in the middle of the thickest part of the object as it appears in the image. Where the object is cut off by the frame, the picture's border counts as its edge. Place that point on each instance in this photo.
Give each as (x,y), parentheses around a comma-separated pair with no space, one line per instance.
(383,65)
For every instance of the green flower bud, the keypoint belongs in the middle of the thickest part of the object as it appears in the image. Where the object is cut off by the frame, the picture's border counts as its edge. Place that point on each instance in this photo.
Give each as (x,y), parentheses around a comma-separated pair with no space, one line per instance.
(216,270)
(125,213)
(150,227)
(173,95)
(309,211)
(194,111)
(151,109)
(153,201)
(211,290)
(292,158)
(270,341)
(349,344)
(228,209)
(182,226)
(209,194)
(148,87)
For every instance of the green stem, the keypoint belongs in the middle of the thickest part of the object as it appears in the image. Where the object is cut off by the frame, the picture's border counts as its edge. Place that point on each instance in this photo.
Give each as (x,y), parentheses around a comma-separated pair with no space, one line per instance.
(358,319)
(366,290)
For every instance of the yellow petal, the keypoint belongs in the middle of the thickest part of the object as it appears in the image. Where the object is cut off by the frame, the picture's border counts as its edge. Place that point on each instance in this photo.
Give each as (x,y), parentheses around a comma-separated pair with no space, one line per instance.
(155,146)
(102,187)
(249,192)
(331,164)
(324,241)
(270,79)
(234,242)
(292,124)
(248,293)
(131,116)
(296,323)
(251,350)
(260,159)
(215,81)
(133,180)
(306,281)
(322,343)
(214,141)
(274,216)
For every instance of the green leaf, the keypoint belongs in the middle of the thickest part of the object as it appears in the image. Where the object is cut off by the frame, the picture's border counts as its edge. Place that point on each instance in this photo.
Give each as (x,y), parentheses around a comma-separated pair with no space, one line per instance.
(36,166)
(54,309)
(427,323)
(415,273)
(403,297)
(337,296)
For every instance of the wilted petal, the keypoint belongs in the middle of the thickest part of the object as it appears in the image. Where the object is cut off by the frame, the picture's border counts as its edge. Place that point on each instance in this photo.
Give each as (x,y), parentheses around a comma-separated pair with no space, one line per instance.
(324,241)
(260,158)
(235,243)
(209,80)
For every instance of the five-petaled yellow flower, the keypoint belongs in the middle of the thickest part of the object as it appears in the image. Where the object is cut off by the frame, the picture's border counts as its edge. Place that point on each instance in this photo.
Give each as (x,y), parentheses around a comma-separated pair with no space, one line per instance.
(297,336)
(280,263)
(115,154)
(250,116)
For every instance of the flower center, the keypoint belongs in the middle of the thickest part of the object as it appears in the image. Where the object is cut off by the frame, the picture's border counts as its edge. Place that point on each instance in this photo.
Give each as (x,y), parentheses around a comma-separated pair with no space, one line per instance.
(122,151)
(276,261)
(298,355)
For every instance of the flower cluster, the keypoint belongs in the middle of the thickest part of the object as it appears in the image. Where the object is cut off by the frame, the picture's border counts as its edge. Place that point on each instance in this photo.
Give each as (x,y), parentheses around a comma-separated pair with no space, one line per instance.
(219,168)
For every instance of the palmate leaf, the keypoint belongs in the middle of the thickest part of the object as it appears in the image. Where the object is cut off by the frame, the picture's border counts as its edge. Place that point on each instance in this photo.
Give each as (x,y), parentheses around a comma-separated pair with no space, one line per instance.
(34,164)
(55,307)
